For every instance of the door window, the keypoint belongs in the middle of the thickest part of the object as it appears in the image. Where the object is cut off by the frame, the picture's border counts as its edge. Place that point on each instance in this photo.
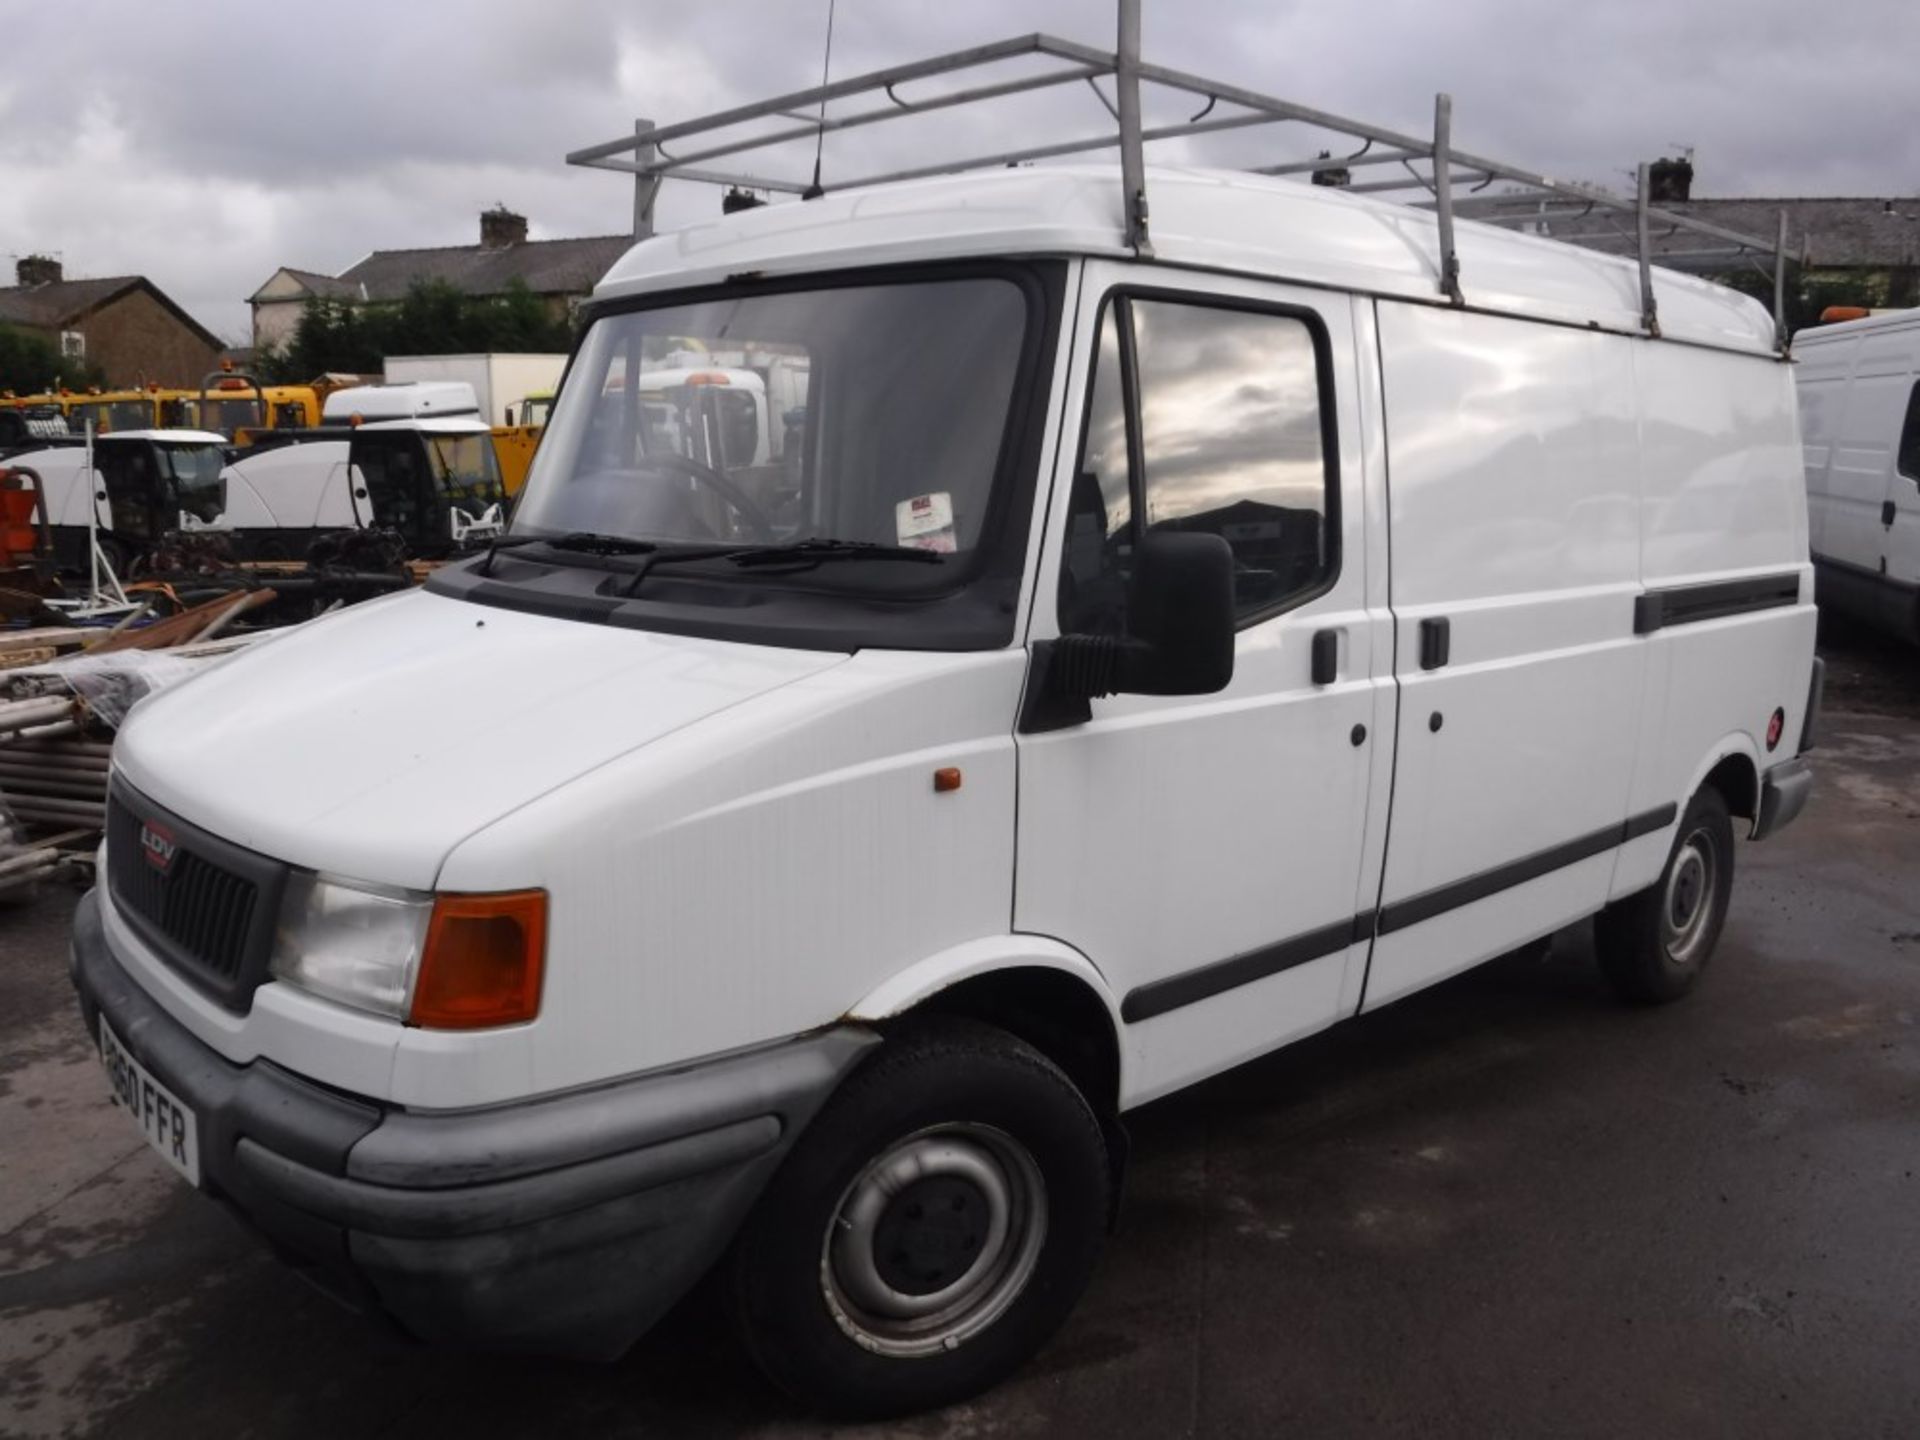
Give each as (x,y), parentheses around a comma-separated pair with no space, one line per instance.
(1202,418)
(1909,460)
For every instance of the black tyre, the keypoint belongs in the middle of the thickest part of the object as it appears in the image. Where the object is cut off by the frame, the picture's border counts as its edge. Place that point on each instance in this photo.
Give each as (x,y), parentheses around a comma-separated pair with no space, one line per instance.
(1653,945)
(934,1225)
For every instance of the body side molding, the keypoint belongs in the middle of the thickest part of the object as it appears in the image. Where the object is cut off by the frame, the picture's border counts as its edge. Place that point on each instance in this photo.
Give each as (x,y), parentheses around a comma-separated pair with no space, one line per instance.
(1157,997)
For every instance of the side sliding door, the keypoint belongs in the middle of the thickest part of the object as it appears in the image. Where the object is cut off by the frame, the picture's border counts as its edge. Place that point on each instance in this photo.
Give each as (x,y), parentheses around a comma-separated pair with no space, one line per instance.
(1514,496)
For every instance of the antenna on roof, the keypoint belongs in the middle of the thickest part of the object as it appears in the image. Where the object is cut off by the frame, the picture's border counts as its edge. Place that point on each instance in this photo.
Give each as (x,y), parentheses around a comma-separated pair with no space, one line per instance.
(814,191)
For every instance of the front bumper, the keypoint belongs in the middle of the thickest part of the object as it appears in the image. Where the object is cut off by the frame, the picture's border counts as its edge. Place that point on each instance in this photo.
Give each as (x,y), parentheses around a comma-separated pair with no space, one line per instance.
(565,1225)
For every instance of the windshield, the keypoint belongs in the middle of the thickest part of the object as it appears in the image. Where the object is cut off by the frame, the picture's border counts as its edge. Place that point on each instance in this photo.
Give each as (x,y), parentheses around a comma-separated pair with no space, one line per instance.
(195,473)
(465,468)
(124,415)
(226,416)
(869,413)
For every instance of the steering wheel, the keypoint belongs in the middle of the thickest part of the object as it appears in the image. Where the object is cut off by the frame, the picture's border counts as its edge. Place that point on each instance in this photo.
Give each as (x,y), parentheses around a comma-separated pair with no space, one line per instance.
(742,503)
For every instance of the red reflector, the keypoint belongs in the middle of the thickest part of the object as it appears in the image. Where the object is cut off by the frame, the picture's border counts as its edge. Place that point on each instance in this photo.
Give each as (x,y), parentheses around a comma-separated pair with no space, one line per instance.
(1776,727)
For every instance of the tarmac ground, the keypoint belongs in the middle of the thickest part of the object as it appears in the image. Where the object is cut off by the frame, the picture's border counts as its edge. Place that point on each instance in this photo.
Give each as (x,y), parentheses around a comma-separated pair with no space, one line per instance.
(1504,1207)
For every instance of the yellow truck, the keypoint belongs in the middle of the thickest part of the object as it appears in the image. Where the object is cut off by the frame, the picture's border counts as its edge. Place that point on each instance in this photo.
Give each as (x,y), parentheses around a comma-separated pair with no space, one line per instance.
(515,441)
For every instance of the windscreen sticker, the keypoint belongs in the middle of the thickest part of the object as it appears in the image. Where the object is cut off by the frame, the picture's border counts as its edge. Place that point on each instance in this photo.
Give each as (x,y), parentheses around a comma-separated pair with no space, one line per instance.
(926,523)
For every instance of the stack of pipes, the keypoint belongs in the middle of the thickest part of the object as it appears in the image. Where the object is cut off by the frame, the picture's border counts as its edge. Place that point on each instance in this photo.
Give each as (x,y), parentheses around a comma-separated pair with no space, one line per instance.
(52,779)
(51,775)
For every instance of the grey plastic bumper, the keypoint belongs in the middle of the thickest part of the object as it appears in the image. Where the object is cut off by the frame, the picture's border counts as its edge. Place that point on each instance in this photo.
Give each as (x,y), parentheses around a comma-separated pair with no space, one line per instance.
(1783,795)
(565,1225)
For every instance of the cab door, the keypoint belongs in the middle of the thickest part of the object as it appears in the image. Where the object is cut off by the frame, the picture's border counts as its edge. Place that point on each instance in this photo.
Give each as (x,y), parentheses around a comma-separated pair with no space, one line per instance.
(1208,853)
(130,480)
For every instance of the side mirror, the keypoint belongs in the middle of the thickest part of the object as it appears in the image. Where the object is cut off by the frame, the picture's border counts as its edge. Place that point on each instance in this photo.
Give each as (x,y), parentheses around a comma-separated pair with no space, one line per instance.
(1179,641)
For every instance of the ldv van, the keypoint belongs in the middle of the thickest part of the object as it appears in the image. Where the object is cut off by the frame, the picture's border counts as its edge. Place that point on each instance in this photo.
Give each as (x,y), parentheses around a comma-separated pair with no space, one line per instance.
(1135,664)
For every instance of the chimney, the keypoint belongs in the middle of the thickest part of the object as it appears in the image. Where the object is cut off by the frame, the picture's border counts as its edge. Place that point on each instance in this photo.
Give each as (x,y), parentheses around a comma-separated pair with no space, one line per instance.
(1669,180)
(37,270)
(500,227)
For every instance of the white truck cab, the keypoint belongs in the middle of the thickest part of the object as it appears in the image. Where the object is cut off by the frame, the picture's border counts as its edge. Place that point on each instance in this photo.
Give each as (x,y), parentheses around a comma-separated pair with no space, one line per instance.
(1137,663)
(1860,405)
(143,484)
(415,458)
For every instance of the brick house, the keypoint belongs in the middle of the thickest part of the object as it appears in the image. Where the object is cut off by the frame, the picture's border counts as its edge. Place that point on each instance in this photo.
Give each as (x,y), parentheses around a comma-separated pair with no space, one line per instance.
(560,272)
(124,324)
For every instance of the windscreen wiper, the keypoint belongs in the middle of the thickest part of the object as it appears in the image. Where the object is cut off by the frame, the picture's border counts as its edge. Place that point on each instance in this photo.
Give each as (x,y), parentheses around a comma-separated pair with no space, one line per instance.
(788,557)
(586,541)
(805,554)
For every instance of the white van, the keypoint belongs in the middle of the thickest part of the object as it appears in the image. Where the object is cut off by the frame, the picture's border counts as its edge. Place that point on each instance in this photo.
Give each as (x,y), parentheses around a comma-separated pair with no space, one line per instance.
(1860,409)
(1151,662)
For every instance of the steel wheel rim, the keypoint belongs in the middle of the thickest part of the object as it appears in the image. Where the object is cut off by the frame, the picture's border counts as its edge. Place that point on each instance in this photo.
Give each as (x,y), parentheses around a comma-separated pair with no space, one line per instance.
(1001,1208)
(1688,901)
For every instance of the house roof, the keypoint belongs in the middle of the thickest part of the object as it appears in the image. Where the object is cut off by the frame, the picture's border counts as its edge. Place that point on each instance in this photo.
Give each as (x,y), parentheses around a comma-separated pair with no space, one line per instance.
(1868,232)
(327,285)
(546,267)
(61,302)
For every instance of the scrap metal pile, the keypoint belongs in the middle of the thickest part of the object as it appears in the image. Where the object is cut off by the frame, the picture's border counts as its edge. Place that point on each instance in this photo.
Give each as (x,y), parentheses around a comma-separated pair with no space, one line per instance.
(63,694)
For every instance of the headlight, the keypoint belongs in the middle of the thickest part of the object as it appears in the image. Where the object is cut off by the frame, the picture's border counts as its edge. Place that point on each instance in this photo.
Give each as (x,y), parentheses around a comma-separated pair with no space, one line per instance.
(449,962)
(357,946)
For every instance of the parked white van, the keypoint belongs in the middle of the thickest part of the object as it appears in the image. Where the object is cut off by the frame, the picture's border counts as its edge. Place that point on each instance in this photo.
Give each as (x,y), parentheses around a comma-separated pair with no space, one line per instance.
(1860,408)
(1149,663)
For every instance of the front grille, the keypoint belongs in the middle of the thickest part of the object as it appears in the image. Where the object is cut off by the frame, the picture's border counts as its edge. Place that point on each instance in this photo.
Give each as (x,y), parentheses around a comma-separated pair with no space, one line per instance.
(204,905)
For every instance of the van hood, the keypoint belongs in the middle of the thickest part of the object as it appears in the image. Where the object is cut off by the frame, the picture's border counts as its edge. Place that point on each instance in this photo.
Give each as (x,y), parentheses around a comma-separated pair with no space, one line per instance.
(370,743)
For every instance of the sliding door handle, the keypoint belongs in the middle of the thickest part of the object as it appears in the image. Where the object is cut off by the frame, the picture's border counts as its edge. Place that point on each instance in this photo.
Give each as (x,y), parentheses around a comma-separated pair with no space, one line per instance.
(1326,656)
(1436,642)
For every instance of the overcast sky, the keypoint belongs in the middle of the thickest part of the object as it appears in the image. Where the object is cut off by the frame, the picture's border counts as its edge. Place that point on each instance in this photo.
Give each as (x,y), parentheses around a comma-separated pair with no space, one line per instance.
(206,146)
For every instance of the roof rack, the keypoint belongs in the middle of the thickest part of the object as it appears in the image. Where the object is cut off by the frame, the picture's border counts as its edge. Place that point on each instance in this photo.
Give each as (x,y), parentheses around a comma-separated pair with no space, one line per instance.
(1432,165)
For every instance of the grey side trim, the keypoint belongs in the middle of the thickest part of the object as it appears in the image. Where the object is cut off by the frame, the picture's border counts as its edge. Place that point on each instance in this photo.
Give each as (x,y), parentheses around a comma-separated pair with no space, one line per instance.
(1689,604)
(474,1209)
(1783,795)
(1157,997)
(1425,906)
(427,1150)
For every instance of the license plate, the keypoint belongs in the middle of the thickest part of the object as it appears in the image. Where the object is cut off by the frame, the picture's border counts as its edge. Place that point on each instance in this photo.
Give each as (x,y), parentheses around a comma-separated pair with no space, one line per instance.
(167,1124)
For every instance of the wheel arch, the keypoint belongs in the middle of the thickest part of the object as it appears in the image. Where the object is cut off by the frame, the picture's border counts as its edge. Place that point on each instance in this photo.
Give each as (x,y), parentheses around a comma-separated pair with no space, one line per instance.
(1048,994)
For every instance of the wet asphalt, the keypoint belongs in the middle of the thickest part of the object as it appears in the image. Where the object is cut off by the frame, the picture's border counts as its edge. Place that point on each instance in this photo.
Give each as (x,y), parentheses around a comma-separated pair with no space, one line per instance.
(1505,1207)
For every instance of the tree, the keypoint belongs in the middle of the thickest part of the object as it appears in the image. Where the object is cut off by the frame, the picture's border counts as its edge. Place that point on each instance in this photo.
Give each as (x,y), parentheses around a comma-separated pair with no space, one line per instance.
(433,318)
(31,363)
(1811,291)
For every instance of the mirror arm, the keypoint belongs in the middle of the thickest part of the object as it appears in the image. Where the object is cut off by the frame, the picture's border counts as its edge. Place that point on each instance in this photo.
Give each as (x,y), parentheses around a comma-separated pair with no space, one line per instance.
(1074,670)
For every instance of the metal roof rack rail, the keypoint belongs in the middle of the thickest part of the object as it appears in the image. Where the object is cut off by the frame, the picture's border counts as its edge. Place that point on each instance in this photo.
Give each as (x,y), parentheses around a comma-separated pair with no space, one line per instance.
(646,157)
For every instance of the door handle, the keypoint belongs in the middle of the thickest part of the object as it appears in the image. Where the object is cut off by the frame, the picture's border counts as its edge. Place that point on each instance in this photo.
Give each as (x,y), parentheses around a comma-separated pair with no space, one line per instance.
(1436,642)
(1888,512)
(1326,656)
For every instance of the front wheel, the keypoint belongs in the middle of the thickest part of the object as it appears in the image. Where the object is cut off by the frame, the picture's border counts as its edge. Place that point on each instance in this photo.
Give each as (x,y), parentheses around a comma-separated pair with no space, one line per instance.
(1654,945)
(932,1228)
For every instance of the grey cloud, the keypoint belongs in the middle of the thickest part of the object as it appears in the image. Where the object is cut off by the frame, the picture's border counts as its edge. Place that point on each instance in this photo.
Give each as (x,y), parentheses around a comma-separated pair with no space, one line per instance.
(204,148)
